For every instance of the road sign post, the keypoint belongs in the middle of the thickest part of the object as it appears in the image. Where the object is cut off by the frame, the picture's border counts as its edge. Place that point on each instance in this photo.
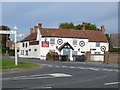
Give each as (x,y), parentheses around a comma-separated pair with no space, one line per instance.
(15,38)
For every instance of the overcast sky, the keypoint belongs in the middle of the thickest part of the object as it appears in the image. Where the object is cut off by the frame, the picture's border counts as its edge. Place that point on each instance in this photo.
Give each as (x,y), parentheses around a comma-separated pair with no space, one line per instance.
(25,15)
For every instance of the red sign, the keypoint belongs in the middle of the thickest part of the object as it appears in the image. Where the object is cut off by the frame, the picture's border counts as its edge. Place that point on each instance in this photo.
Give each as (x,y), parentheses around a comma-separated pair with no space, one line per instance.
(45,44)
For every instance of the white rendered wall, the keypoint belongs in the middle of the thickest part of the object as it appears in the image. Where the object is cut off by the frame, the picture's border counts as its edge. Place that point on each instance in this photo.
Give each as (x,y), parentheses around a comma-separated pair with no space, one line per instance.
(92,45)
(42,51)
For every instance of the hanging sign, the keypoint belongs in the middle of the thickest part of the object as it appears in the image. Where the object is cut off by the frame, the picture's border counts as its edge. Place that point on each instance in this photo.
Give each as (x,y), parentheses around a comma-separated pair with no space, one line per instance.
(45,44)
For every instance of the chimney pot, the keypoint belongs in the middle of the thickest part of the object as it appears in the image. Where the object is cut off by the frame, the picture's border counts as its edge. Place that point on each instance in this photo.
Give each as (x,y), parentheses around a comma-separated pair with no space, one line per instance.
(31,30)
(103,29)
(83,25)
(39,25)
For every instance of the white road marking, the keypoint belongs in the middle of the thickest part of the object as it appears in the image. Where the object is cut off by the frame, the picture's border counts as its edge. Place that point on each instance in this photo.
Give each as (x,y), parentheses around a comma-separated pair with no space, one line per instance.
(64,66)
(107,70)
(84,68)
(81,68)
(46,87)
(111,83)
(71,67)
(94,69)
(50,65)
(40,76)
(117,70)
(57,66)
(60,75)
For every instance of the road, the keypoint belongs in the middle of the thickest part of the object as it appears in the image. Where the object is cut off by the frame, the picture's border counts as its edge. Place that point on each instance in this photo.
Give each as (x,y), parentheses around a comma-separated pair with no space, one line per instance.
(63,75)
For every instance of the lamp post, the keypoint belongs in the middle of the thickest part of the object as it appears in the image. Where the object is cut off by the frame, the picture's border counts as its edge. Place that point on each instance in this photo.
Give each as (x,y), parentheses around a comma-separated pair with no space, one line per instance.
(15,30)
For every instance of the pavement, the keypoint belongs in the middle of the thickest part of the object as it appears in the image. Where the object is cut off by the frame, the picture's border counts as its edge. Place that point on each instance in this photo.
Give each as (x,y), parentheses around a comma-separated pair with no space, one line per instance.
(57,74)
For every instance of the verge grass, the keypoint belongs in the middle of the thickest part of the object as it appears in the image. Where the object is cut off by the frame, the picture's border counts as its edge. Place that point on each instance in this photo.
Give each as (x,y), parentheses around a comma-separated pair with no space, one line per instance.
(10,64)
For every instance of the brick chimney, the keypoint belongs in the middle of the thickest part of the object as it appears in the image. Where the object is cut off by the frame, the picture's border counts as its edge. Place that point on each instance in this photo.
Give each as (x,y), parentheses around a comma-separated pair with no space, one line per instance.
(83,26)
(39,25)
(31,30)
(103,29)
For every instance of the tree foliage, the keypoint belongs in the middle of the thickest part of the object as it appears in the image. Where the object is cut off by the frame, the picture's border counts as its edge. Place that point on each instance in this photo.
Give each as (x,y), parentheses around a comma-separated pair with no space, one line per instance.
(88,26)
(4,37)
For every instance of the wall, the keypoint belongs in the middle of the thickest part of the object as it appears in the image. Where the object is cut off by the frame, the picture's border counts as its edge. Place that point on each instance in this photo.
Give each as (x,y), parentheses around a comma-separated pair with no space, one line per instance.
(94,57)
(109,57)
(92,45)
(112,58)
(42,51)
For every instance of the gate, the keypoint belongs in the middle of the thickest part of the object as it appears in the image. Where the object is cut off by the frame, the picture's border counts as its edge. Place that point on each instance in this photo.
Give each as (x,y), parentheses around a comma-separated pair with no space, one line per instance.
(79,58)
(95,57)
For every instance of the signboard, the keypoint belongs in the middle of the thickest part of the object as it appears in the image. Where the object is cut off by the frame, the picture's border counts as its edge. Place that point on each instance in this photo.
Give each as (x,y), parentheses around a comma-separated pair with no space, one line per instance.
(45,44)
(7,32)
(34,43)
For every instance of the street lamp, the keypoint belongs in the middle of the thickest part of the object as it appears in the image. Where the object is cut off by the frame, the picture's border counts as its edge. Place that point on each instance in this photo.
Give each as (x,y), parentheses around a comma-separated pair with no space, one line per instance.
(15,31)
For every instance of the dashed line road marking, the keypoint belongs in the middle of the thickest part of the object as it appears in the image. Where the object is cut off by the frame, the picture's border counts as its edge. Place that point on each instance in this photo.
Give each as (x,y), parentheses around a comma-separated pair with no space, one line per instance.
(81,68)
(111,83)
(84,68)
(117,70)
(107,70)
(64,66)
(50,65)
(94,69)
(57,66)
(71,67)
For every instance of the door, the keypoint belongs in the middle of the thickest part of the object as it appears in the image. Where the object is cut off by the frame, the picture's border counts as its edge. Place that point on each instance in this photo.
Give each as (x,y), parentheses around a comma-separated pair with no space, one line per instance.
(66,51)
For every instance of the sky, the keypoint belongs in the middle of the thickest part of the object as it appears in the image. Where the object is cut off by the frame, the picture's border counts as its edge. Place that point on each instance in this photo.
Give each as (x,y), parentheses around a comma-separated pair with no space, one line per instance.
(25,15)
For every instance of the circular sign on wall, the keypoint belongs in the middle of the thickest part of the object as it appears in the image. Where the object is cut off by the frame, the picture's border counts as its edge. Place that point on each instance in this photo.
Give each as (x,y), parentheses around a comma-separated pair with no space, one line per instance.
(81,43)
(103,48)
(59,41)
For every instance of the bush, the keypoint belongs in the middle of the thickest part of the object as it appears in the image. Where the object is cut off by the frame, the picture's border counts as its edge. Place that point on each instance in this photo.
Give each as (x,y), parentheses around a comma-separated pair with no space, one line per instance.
(52,56)
(114,50)
(3,50)
(12,52)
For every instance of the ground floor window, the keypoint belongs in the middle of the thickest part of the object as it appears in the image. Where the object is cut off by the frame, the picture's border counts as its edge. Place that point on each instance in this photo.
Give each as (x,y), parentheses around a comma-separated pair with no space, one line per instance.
(35,50)
(26,52)
(22,52)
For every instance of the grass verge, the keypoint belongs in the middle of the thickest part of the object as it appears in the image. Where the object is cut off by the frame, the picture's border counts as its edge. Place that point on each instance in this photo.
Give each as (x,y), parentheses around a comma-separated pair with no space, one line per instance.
(10,64)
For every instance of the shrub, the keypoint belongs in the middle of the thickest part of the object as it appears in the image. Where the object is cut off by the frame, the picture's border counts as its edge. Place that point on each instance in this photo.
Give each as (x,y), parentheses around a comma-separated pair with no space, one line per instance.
(114,50)
(12,52)
(3,50)
(52,56)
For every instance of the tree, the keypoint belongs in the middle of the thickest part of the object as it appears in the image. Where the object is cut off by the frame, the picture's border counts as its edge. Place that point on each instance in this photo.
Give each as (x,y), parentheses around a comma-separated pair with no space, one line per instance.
(78,27)
(88,26)
(67,25)
(4,37)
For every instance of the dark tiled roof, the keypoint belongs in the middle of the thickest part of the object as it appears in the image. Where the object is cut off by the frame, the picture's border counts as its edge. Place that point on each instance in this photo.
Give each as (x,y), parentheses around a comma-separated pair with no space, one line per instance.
(95,36)
(63,33)
(92,35)
(30,37)
(115,40)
